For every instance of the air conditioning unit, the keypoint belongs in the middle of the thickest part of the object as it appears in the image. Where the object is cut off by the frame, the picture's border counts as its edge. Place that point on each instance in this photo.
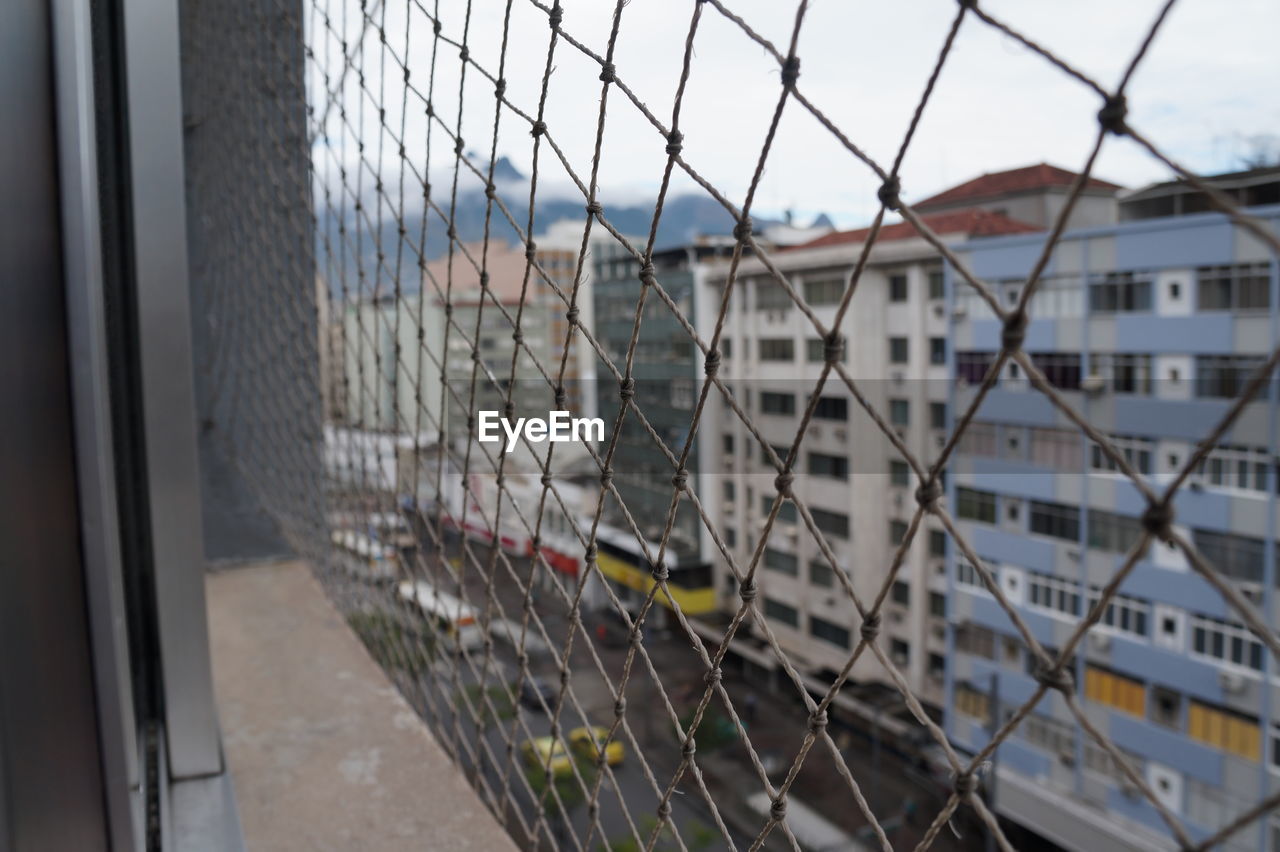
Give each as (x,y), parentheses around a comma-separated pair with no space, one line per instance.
(1093,384)
(939,309)
(960,310)
(841,434)
(940,633)
(897,500)
(792,533)
(895,617)
(1232,682)
(1100,641)
(1252,592)
(1195,482)
(898,377)
(730,507)
(815,431)
(1129,789)
(1067,757)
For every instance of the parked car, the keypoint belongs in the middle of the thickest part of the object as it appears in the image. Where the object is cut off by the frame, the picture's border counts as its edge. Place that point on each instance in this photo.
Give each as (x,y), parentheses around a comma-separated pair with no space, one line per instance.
(537,751)
(534,692)
(586,742)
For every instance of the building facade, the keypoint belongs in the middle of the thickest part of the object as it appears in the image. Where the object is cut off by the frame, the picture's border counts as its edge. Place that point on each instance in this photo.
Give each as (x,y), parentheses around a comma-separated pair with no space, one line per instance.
(1149,329)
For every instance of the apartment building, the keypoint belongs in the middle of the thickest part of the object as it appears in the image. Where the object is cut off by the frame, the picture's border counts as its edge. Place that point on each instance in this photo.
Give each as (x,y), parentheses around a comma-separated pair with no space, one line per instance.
(1149,329)
(858,489)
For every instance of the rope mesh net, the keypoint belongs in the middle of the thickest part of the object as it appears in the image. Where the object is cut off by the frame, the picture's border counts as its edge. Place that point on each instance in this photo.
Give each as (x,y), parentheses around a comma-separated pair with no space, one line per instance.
(407,106)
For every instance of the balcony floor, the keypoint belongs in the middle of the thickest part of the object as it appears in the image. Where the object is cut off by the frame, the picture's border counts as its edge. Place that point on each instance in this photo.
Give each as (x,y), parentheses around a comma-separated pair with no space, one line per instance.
(323,752)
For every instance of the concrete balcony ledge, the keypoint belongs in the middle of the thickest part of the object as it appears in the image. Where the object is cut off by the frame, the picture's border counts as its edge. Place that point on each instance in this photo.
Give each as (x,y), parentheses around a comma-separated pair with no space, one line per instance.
(323,752)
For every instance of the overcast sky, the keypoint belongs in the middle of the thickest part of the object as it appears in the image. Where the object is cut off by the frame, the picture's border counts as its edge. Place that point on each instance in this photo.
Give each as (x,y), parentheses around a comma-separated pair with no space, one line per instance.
(1210,82)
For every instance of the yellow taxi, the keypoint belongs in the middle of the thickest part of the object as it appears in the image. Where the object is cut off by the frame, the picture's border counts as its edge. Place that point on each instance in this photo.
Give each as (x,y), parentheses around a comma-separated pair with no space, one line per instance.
(537,750)
(586,742)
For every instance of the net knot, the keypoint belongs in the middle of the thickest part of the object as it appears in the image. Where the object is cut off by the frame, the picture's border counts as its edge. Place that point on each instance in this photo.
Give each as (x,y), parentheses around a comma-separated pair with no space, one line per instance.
(680,479)
(426,190)
(606,477)
(966,784)
(435,27)
(1054,677)
(475,354)
(531,251)
(561,398)
(490,190)
(627,389)
(817,722)
(711,366)
(659,571)
(664,811)
(536,542)
(431,110)
(538,128)
(517,336)
(713,677)
(571,316)
(791,71)
(484,280)
(968,4)
(1113,114)
(742,230)
(870,628)
(500,87)
(675,143)
(595,208)
(448,309)
(688,749)
(463,53)
(458,146)
(452,233)
(1014,331)
(832,348)
(889,193)
(509,412)
(778,809)
(608,72)
(619,707)
(927,495)
(1157,519)
(637,635)
(647,274)
(589,555)
(555,17)
(748,591)
(782,483)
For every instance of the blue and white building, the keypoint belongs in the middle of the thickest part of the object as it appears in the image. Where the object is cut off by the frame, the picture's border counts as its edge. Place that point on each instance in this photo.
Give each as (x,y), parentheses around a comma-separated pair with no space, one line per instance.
(1149,328)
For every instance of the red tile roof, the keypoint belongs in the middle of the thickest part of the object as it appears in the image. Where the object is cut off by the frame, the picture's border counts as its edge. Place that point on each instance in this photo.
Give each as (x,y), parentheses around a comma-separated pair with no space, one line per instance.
(973,222)
(1024,179)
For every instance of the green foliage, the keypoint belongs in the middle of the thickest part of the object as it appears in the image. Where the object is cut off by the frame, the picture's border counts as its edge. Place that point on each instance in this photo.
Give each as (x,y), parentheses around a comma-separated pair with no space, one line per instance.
(716,730)
(697,836)
(499,697)
(392,644)
(570,791)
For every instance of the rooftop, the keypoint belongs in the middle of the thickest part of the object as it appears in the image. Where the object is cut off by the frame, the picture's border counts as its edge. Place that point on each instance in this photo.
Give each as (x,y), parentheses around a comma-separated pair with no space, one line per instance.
(1024,179)
(971,222)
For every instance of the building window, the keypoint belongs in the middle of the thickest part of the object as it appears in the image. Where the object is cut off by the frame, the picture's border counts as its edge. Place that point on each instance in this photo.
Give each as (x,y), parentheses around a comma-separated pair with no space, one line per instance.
(976,640)
(897,532)
(1225,376)
(1053,594)
(937,605)
(778,611)
(1137,452)
(1061,369)
(832,523)
(729,490)
(899,652)
(1126,372)
(771,296)
(1056,520)
(821,574)
(898,350)
(972,367)
(825,630)
(972,703)
(1223,729)
(937,350)
(1243,287)
(900,592)
(1059,449)
(1113,533)
(1048,734)
(831,408)
(979,439)
(1123,613)
(1239,557)
(975,505)
(967,575)
(1273,750)
(897,288)
(937,284)
(937,415)
(822,464)
(1121,292)
(937,543)
(783,563)
(899,473)
(900,412)
(777,349)
(730,537)
(1237,467)
(1115,690)
(786,512)
(726,444)
(815,351)
(726,348)
(1166,708)
(1097,759)
(1225,642)
(824,291)
(777,403)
